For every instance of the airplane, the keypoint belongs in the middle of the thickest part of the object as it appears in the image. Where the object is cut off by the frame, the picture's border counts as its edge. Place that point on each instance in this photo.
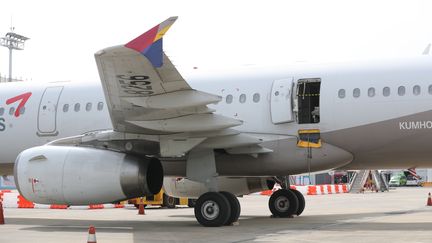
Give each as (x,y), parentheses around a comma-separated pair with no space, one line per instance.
(228,133)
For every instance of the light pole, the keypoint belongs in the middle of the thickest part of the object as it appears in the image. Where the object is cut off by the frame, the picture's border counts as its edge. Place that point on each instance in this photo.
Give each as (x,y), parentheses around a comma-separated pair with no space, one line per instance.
(12,41)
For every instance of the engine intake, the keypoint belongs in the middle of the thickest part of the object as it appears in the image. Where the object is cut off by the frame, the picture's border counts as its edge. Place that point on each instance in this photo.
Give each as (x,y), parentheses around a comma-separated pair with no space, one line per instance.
(82,176)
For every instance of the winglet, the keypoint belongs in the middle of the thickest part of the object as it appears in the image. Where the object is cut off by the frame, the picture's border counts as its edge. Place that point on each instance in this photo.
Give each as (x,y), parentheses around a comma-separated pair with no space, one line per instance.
(150,43)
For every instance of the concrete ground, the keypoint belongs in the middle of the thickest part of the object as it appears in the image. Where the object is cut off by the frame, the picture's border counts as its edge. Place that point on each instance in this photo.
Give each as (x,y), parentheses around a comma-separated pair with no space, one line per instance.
(396,216)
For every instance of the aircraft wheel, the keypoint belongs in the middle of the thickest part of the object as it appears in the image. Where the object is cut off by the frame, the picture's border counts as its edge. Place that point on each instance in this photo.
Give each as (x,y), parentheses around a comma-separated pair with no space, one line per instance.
(302,201)
(283,203)
(168,201)
(212,209)
(235,207)
(191,203)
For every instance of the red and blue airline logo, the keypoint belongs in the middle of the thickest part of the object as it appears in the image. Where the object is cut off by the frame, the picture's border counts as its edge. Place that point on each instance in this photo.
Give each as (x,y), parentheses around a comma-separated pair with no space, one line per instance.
(21,100)
(149,44)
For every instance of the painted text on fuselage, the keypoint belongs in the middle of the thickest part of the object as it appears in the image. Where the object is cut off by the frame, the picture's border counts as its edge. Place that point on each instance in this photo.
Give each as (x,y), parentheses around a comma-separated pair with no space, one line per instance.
(414,125)
(2,124)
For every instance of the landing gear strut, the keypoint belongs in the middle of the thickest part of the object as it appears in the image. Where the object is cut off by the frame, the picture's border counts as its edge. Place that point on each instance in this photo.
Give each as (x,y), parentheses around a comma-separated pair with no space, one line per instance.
(215,209)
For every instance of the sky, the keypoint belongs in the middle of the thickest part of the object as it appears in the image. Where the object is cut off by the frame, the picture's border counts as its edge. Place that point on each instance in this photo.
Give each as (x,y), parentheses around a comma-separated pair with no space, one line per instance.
(212,34)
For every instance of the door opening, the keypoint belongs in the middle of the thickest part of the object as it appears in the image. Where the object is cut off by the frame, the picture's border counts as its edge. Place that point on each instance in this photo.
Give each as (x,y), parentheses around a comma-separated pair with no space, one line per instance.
(308,98)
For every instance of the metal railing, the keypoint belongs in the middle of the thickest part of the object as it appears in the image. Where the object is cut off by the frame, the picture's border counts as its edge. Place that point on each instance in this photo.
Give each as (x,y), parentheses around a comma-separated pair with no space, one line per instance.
(4,79)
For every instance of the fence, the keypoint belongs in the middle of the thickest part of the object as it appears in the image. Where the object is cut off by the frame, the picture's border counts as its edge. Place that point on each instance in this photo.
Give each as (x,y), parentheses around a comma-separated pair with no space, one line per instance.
(4,79)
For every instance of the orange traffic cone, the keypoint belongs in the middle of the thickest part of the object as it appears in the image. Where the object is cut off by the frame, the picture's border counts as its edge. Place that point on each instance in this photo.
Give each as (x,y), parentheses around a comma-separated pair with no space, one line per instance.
(2,221)
(429,201)
(92,235)
(141,209)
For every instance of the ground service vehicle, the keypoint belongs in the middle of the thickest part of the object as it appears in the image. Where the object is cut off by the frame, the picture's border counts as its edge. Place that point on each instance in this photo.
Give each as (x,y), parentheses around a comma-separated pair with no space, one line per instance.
(398,180)
(162,199)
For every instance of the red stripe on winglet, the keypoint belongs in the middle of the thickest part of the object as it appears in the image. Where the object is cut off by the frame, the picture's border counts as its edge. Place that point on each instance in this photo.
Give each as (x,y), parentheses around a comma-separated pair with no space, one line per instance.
(143,41)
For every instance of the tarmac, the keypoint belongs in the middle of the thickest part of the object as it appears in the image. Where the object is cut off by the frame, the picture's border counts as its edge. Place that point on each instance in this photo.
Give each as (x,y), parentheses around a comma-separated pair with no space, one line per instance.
(399,215)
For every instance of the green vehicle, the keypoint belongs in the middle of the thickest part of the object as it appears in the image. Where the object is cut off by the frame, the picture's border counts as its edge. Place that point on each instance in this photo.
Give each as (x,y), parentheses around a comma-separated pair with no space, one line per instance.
(398,180)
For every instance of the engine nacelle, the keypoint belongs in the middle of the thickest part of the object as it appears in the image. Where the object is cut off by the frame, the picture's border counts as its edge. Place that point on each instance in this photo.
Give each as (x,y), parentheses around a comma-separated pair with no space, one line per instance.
(181,187)
(82,176)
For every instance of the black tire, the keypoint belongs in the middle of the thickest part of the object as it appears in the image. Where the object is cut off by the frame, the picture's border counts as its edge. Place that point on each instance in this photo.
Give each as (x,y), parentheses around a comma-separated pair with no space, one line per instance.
(168,201)
(191,203)
(283,203)
(235,207)
(301,200)
(212,209)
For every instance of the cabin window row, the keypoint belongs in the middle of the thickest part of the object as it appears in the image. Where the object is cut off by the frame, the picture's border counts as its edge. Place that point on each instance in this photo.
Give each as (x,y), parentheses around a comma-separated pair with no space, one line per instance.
(386,91)
(76,108)
(242,98)
(11,111)
(88,107)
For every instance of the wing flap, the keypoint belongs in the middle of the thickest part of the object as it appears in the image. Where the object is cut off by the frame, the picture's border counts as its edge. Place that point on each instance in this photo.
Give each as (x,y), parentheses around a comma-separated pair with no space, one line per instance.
(175,100)
(191,123)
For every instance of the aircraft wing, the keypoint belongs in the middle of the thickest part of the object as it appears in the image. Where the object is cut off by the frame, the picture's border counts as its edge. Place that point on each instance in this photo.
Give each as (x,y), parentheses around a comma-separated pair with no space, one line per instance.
(147,95)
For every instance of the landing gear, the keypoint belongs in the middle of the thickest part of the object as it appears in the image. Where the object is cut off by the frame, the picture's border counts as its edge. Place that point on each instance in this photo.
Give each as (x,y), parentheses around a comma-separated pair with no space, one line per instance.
(284,203)
(215,209)
(235,207)
(168,201)
(301,200)
(212,209)
(191,203)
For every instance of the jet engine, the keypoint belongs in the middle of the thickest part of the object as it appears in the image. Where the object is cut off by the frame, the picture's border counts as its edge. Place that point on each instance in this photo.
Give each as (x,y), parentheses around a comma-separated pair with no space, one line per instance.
(81,176)
(181,187)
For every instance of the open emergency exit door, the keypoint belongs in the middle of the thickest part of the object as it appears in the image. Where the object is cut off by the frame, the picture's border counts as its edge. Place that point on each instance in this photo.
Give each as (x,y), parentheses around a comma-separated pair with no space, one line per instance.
(281,101)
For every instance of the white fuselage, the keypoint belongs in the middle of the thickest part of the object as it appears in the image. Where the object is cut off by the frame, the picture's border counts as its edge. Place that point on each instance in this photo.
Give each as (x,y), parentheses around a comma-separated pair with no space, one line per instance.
(46,119)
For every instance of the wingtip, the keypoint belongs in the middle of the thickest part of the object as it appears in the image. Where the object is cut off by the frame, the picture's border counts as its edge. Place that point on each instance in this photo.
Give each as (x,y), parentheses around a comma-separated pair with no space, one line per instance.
(173,18)
(143,41)
(150,43)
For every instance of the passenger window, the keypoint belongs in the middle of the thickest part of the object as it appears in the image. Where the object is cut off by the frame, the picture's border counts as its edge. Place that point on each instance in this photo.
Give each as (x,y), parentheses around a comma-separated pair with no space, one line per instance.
(229,99)
(1,111)
(430,89)
(11,110)
(22,110)
(416,90)
(356,92)
(65,107)
(100,106)
(77,107)
(386,91)
(88,106)
(401,90)
(242,98)
(256,98)
(371,92)
(341,93)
